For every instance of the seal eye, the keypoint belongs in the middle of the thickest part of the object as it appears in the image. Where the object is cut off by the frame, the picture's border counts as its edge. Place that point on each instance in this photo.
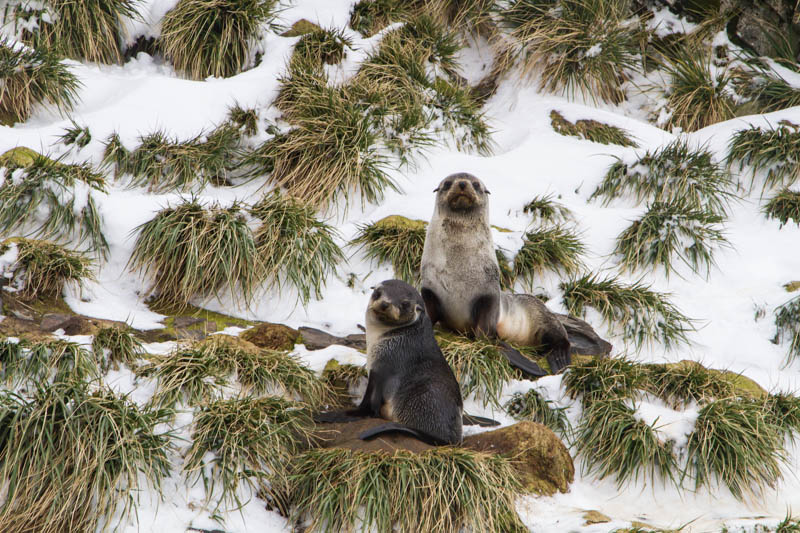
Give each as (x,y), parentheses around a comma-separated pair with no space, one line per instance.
(446,185)
(476,186)
(376,294)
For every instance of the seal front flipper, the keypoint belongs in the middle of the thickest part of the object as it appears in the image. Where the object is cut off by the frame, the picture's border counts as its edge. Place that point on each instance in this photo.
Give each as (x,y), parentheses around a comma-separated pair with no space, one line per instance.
(519,361)
(394,427)
(559,357)
(472,420)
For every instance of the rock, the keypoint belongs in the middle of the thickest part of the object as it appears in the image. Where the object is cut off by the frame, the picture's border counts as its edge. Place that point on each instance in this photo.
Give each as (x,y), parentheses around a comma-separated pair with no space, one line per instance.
(757,24)
(595,517)
(186,321)
(53,321)
(189,334)
(18,157)
(539,455)
(211,327)
(79,325)
(301,27)
(272,336)
(542,460)
(582,338)
(315,339)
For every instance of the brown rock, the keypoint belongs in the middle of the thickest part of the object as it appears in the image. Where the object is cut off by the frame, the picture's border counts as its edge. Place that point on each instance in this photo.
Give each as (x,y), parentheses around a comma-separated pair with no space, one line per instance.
(345,435)
(272,336)
(186,321)
(71,324)
(540,457)
(316,339)
(595,517)
(189,334)
(53,321)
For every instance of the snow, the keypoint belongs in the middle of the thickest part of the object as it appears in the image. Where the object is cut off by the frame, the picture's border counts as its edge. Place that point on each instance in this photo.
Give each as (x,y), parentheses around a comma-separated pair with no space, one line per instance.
(531,159)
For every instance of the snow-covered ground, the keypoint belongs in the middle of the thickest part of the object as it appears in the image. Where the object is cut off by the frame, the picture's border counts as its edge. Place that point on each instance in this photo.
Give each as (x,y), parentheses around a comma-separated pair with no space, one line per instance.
(530,159)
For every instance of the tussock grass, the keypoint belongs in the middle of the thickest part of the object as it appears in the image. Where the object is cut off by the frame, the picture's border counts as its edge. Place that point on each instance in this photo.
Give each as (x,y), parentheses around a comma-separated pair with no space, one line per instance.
(251,441)
(670,230)
(676,172)
(531,406)
(213,37)
(161,163)
(613,442)
(767,89)
(545,210)
(81,30)
(591,130)
(342,379)
(74,460)
(784,206)
(439,490)
(774,151)
(600,378)
(245,119)
(788,525)
(734,441)
(322,46)
(45,268)
(583,47)
(698,94)
(787,322)
(783,412)
(368,17)
(507,277)
(115,345)
(193,250)
(64,192)
(197,372)
(479,366)
(330,153)
(557,248)
(76,135)
(642,316)
(396,240)
(294,246)
(30,77)
(685,382)
(42,361)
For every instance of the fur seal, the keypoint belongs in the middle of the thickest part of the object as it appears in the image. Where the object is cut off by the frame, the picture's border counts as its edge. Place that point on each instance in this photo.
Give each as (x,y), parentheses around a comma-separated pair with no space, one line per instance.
(409,381)
(461,279)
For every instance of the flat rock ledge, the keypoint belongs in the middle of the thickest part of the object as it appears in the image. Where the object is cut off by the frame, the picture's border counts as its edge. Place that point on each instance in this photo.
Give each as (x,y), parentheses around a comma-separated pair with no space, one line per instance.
(538,455)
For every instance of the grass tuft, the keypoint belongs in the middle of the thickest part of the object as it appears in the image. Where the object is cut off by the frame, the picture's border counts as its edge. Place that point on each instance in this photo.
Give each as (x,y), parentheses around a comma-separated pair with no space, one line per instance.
(734,441)
(547,211)
(193,250)
(294,246)
(396,240)
(45,268)
(42,361)
(583,47)
(115,345)
(370,16)
(671,229)
(673,173)
(613,441)
(787,322)
(767,89)
(322,46)
(74,460)
(213,37)
(685,382)
(54,200)
(600,378)
(90,31)
(245,441)
(439,490)
(699,94)
(591,130)
(30,77)
(531,406)
(784,206)
(197,372)
(80,136)
(642,316)
(557,249)
(479,366)
(163,164)
(783,411)
(774,151)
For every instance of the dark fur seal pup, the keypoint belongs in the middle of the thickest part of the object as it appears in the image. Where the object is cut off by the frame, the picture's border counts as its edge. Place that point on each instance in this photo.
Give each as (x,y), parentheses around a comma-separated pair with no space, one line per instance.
(409,382)
(461,279)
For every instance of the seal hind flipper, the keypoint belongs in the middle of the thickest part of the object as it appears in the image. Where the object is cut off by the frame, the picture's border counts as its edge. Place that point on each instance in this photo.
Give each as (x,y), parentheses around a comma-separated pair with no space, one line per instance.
(519,361)
(483,315)
(394,427)
(559,356)
(472,420)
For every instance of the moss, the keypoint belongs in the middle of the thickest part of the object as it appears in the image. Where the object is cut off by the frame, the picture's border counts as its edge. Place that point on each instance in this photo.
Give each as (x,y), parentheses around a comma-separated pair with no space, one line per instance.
(792,286)
(272,336)
(301,27)
(591,130)
(19,157)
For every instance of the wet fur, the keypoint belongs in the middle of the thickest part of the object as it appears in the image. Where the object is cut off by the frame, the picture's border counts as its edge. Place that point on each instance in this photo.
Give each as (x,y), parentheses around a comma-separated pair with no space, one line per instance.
(461,280)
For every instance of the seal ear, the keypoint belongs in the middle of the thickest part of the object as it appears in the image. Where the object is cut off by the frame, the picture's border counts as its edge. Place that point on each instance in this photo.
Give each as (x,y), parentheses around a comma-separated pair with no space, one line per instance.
(486,190)
(436,189)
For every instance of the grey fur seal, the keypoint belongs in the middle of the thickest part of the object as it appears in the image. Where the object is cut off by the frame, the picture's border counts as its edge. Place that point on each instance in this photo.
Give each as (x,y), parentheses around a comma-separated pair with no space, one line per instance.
(409,382)
(461,279)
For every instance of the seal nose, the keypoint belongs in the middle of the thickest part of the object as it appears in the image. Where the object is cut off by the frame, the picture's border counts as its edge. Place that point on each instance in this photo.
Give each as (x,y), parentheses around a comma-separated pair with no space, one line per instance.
(462,185)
